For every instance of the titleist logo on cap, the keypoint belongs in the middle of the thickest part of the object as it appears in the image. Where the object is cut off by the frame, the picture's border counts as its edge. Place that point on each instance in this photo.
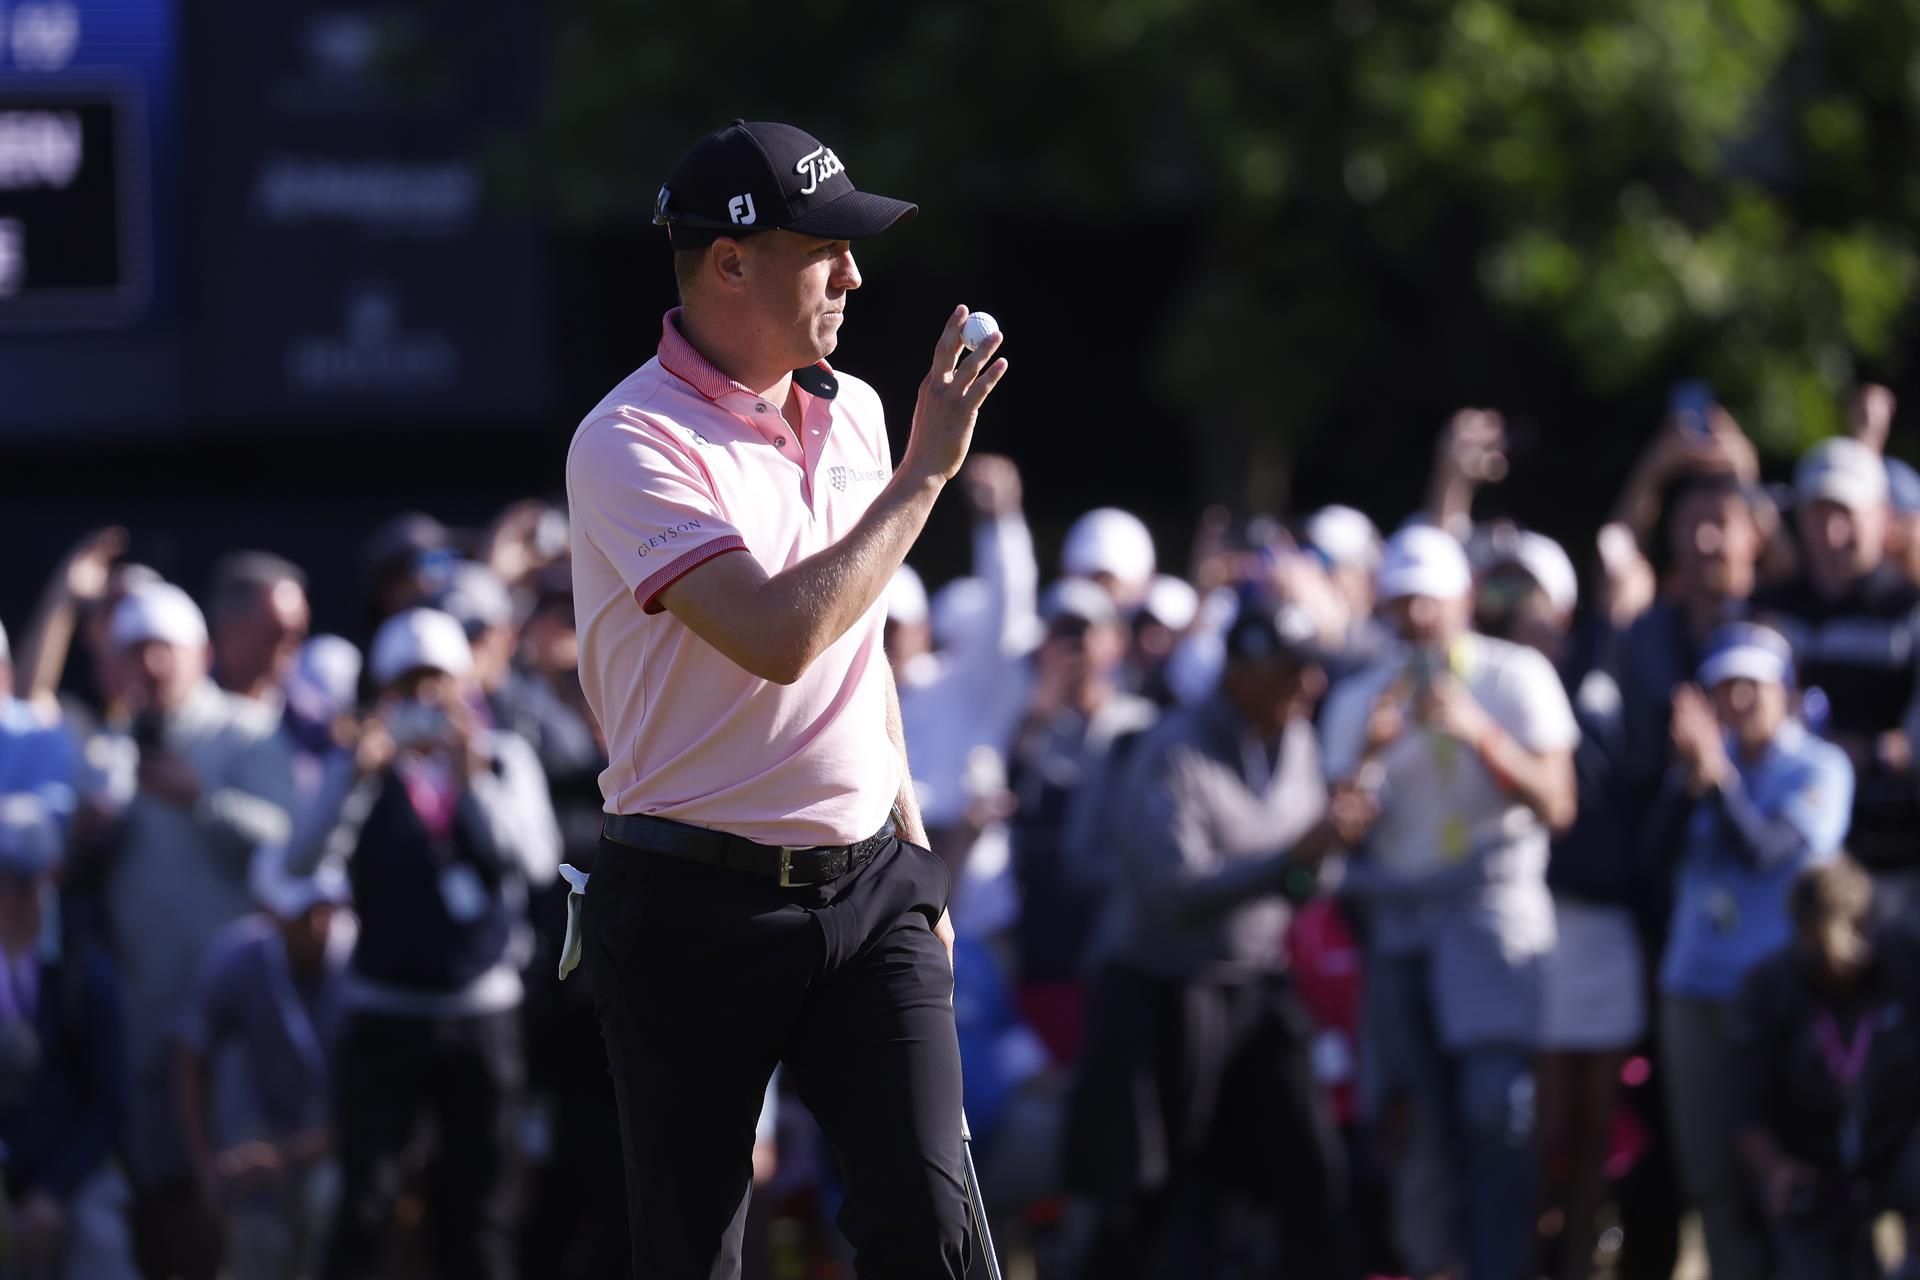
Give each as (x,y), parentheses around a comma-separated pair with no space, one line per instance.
(818,164)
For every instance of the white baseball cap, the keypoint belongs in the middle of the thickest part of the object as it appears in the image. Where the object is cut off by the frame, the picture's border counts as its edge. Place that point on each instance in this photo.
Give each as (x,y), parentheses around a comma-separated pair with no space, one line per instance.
(416,639)
(1747,651)
(157,611)
(324,678)
(1547,564)
(1171,601)
(1841,470)
(1108,540)
(1421,560)
(906,598)
(1344,536)
(1077,598)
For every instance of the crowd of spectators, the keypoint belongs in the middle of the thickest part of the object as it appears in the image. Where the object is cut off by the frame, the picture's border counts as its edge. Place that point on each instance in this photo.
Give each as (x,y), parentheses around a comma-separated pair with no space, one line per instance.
(1433,902)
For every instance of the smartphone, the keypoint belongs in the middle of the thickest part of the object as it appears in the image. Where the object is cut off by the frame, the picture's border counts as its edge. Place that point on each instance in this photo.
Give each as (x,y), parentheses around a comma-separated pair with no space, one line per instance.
(1423,666)
(416,724)
(1690,404)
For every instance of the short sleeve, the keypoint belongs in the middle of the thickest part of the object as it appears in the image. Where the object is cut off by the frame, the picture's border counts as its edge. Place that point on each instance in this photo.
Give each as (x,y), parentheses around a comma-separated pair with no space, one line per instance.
(1534,708)
(1819,804)
(646,505)
(1343,725)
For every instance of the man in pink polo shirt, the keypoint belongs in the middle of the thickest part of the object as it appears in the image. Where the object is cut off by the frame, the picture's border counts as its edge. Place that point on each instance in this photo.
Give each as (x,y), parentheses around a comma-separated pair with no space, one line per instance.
(763,893)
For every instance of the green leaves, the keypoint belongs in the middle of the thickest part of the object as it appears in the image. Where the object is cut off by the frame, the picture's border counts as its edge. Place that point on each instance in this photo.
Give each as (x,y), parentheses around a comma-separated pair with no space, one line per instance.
(1665,186)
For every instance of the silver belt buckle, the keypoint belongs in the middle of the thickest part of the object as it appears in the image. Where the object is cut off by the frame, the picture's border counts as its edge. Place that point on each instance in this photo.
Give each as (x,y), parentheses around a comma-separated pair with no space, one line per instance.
(786,866)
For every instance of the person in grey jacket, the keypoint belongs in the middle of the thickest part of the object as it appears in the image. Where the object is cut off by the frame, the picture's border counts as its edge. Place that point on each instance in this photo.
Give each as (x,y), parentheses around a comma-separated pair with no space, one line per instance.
(213,783)
(1197,1075)
(441,825)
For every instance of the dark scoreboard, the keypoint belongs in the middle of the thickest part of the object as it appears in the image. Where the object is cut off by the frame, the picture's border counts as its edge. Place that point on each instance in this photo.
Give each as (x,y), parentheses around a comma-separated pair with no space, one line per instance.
(304,232)
(72,222)
(89,305)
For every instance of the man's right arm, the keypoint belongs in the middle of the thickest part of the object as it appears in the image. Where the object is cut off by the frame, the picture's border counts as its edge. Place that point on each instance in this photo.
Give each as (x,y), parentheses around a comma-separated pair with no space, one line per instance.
(775,626)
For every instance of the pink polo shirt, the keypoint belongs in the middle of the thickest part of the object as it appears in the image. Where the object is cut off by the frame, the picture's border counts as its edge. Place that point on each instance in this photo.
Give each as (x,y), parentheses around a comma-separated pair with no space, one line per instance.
(678,465)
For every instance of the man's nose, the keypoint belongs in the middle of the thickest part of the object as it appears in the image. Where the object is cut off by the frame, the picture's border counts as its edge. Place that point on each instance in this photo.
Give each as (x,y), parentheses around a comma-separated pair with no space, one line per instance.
(847,273)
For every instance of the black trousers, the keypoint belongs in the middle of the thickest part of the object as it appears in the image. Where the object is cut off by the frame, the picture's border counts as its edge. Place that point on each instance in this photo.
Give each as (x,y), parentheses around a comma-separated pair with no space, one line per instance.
(465,1075)
(1191,1092)
(706,978)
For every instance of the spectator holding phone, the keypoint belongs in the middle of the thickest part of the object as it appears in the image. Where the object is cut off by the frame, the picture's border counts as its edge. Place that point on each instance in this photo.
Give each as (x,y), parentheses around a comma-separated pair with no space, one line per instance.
(214,782)
(1474,738)
(441,825)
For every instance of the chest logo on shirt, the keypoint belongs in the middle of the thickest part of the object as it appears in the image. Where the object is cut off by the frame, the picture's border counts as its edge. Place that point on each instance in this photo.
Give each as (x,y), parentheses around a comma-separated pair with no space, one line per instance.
(841,477)
(667,535)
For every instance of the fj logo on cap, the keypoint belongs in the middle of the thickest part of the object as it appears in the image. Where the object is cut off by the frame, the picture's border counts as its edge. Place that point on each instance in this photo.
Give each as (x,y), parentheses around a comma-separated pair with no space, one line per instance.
(818,164)
(740,209)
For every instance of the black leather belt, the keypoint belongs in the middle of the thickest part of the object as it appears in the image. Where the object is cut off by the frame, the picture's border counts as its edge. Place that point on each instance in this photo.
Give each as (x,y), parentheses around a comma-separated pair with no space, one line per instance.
(788,865)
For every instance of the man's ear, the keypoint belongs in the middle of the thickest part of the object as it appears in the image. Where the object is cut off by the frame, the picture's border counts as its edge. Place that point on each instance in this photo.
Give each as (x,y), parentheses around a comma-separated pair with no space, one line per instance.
(729,263)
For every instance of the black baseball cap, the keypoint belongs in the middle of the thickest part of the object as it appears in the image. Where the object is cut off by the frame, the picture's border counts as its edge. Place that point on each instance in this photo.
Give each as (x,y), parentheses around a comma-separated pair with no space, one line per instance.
(762,176)
(1261,632)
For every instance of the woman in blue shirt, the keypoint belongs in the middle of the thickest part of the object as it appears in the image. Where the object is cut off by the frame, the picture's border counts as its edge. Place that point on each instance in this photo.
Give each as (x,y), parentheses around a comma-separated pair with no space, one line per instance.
(1762,800)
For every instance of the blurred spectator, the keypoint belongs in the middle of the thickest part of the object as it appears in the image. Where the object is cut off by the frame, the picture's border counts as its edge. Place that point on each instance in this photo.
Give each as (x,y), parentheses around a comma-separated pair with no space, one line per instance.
(1595,1007)
(62,1071)
(1061,773)
(322,687)
(1350,544)
(1853,622)
(527,537)
(36,754)
(214,782)
(442,826)
(1170,608)
(1903,525)
(1198,1080)
(1475,740)
(1760,799)
(404,563)
(1678,451)
(1472,451)
(80,597)
(972,692)
(476,598)
(1713,546)
(270,985)
(1113,548)
(1870,416)
(1827,1098)
(257,604)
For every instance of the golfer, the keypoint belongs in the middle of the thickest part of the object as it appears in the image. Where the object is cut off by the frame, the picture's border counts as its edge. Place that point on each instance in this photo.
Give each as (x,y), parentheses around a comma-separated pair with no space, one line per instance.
(762,892)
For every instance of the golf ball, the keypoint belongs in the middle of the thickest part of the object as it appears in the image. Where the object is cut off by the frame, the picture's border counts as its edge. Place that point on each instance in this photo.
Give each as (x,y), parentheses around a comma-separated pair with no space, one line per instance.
(978,328)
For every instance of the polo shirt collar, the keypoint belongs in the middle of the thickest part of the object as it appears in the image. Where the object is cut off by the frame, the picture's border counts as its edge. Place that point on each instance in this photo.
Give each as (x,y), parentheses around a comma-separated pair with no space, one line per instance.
(678,357)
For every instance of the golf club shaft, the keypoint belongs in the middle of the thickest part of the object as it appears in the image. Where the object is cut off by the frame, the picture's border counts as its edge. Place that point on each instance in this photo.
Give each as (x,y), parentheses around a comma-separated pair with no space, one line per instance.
(981,1231)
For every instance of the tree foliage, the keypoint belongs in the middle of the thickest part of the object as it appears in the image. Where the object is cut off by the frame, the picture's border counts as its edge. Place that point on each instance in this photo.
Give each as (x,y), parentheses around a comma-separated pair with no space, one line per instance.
(1721,187)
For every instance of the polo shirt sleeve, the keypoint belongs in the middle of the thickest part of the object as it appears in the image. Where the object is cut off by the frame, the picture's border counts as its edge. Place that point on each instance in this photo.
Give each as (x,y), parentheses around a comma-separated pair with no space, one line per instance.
(1343,725)
(1536,710)
(647,505)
